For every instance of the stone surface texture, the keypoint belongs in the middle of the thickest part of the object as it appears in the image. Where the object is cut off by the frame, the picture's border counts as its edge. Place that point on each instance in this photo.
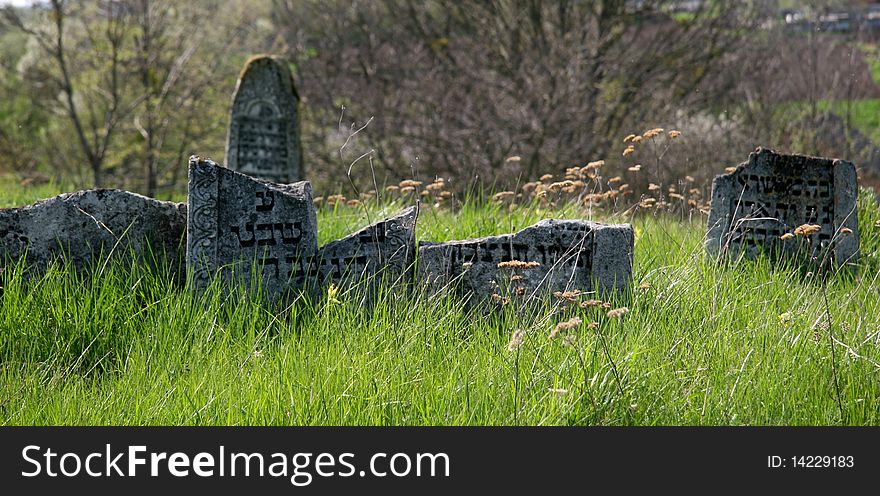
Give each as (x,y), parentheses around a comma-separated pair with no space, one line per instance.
(385,248)
(263,138)
(772,194)
(238,224)
(571,254)
(85,227)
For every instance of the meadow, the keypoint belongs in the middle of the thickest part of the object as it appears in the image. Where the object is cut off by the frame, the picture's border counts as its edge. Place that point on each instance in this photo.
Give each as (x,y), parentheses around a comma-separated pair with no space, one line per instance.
(703,341)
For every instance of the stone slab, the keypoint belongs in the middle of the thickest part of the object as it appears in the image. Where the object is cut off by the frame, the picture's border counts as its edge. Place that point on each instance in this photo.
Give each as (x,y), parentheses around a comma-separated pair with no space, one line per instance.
(84,227)
(571,254)
(263,138)
(772,194)
(386,249)
(238,225)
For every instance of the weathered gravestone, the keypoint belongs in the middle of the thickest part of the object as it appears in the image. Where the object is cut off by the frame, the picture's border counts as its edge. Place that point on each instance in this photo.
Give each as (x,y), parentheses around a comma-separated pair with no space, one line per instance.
(563,255)
(238,224)
(84,227)
(386,248)
(757,207)
(263,139)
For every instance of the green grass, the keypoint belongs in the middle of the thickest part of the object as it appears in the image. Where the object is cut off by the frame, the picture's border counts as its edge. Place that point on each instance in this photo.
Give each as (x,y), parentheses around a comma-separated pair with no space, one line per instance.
(707,343)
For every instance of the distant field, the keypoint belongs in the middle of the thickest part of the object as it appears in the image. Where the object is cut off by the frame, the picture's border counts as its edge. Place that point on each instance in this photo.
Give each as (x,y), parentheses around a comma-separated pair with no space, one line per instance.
(703,343)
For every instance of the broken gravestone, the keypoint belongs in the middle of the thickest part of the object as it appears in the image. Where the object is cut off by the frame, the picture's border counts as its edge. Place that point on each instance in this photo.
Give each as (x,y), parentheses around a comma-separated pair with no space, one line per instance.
(238,225)
(85,227)
(757,208)
(552,255)
(263,138)
(386,248)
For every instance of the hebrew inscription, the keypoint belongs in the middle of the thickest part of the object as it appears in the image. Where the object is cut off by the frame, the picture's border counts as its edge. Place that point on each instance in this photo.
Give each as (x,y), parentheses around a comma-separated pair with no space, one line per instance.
(564,254)
(772,194)
(263,138)
(239,224)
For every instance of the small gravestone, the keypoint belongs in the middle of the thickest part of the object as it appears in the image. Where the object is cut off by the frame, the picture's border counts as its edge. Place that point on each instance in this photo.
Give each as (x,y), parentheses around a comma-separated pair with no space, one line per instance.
(84,227)
(553,255)
(757,208)
(238,224)
(263,139)
(386,248)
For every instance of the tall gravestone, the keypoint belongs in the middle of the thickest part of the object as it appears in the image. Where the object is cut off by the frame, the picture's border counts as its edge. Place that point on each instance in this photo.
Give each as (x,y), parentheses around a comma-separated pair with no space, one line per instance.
(238,224)
(263,139)
(771,195)
(563,255)
(84,227)
(386,248)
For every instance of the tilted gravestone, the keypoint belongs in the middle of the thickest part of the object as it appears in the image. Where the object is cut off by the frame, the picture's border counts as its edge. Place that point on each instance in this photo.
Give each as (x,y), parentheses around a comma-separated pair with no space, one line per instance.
(263,139)
(561,255)
(85,227)
(756,208)
(386,248)
(238,224)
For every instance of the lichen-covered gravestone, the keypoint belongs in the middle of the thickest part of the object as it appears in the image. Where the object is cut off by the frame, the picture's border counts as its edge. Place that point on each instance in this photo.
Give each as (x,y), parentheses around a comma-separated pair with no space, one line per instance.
(263,139)
(238,224)
(385,249)
(756,208)
(85,227)
(554,255)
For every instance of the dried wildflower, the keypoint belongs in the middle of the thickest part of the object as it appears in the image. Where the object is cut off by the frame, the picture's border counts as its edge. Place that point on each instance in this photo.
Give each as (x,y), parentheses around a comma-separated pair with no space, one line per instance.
(353,203)
(653,187)
(570,296)
(516,277)
(436,186)
(637,139)
(496,297)
(559,185)
(786,236)
(593,326)
(467,265)
(629,138)
(877,224)
(546,177)
(807,230)
(516,339)
(674,134)
(426,193)
(501,196)
(566,326)
(519,290)
(407,189)
(569,340)
(445,195)
(846,231)
(645,285)
(617,312)
(317,200)
(593,165)
(689,179)
(629,150)
(676,196)
(515,158)
(730,169)
(409,183)
(652,133)
(635,168)
(517,264)
(392,188)
(615,179)
(591,303)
